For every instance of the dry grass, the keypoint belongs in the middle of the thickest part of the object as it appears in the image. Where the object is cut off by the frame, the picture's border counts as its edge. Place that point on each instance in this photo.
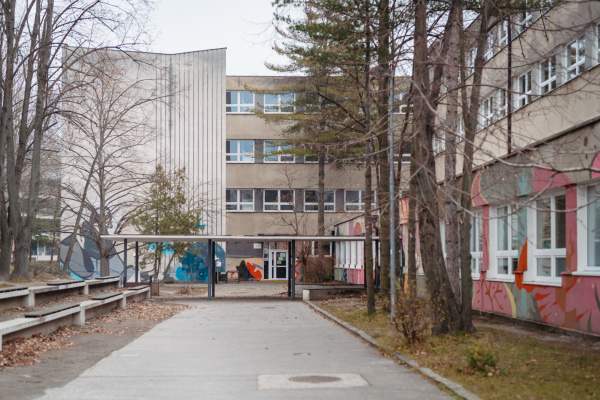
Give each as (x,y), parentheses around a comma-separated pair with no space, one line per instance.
(531,364)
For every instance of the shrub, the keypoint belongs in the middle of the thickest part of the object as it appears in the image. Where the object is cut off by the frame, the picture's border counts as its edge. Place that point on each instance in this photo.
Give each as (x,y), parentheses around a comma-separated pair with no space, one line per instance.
(412,317)
(318,270)
(481,357)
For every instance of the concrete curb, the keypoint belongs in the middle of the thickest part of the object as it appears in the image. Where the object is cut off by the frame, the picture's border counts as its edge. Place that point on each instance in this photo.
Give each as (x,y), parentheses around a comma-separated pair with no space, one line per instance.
(453,386)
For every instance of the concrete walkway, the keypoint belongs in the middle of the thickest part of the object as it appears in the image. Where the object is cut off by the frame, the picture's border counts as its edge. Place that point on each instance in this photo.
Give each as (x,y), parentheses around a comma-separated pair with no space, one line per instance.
(247,349)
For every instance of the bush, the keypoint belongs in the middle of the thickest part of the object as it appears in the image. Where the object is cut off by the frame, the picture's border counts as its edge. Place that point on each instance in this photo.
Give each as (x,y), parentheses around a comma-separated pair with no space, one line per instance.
(481,357)
(318,270)
(412,317)
(169,279)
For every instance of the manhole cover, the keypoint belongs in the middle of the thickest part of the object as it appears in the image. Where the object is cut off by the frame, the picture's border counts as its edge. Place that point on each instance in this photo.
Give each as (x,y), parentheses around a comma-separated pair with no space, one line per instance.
(314,379)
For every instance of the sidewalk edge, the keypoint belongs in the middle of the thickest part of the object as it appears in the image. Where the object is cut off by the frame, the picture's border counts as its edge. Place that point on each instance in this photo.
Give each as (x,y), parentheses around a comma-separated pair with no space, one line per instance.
(453,386)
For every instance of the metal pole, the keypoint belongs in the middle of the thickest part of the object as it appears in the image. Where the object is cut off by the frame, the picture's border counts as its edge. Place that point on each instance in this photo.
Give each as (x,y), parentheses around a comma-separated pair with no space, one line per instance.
(289,252)
(364,265)
(137,261)
(124,262)
(392,224)
(209,269)
(293,270)
(214,269)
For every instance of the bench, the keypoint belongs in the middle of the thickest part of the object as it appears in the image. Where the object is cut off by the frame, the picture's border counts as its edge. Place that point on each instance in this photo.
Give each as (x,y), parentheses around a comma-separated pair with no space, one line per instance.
(54,291)
(138,287)
(102,283)
(60,283)
(42,312)
(137,293)
(107,295)
(13,297)
(51,318)
(108,277)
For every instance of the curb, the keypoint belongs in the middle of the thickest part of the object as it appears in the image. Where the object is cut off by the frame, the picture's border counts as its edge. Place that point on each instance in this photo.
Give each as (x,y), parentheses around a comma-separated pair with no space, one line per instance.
(453,386)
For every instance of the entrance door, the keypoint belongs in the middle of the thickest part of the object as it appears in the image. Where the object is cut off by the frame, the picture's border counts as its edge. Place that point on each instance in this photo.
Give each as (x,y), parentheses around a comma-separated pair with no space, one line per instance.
(278,264)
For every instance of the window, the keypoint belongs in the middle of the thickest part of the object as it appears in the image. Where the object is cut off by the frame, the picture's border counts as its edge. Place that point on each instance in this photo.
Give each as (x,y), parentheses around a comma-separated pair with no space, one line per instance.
(278,200)
(593,227)
(311,200)
(471,60)
(550,238)
(524,95)
(502,102)
(239,151)
(525,19)
(576,58)
(239,102)
(503,34)
(507,257)
(354,200)
(405,159)
(489,47)
(279,103)
(239,200)
(476,243)
(548,75)
(400,103)
(487,111)
(272,146)
(439,143)
(326,246)
(460,129)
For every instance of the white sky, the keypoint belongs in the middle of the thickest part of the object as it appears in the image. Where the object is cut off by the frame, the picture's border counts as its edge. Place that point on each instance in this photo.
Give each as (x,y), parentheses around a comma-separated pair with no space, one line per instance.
(243,26)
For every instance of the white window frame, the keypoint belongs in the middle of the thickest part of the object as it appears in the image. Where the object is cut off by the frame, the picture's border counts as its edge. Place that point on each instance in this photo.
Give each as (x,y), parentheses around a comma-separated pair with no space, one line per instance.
(281,107)
(239,154)
(488,112)
(279,204)
(278,158)
(503,33)
(477,239)
(241,108)
(524,96)
(525,20)
(510,254)
(360,205)
(489,46)
(314,251)
(329,206)
(549,84)
(471,56)
(400,105)
(553,252)
(239,204)
(460,129)
(578,67)
(585,229)
(439,144)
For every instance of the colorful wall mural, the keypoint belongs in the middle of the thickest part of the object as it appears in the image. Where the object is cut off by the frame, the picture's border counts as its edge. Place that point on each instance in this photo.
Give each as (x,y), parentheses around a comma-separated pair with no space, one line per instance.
(85,260)
(193,267)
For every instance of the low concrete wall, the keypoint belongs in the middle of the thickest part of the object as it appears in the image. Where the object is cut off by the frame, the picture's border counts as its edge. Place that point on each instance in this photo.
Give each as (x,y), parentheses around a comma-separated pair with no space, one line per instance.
(44,297)
(325,292)
(45,328)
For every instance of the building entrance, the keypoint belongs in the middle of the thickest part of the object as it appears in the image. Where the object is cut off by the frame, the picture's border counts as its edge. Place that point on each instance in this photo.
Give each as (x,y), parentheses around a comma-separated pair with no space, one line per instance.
(278,264)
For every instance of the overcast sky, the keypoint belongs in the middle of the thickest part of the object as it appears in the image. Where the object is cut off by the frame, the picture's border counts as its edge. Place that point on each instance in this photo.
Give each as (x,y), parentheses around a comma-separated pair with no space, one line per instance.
(242,26)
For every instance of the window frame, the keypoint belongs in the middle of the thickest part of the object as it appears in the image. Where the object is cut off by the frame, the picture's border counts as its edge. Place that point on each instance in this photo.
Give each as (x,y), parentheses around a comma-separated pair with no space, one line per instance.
(477,252)
(279,204)
(248,107)
(361,205)
(553,252)
(490,117)
(525,94)
(584,229)
(238,154)
(316,204)
(510,254)
(280,147)
(238,203)
(503,38)
(573,70)
(280,107)
(548,85)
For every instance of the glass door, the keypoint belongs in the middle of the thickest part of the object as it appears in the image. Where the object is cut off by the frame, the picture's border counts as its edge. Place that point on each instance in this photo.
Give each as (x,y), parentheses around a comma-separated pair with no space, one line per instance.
(278,264)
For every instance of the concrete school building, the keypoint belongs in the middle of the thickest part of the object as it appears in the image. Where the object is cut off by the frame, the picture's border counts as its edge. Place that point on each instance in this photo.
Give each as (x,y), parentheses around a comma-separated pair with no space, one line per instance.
(201,119)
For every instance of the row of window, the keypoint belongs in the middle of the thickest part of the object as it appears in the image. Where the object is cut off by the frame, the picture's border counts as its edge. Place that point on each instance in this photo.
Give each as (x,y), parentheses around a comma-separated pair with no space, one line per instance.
(285,200)
(545,224)
(244,151)
(541,79)
(245,102)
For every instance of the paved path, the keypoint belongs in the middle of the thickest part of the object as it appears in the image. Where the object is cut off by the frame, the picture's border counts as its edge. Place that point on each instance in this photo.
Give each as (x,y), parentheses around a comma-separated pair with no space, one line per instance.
(247,349)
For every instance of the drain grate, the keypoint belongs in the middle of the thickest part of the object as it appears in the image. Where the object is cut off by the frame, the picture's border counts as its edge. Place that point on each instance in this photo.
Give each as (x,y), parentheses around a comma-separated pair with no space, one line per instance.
(314,379)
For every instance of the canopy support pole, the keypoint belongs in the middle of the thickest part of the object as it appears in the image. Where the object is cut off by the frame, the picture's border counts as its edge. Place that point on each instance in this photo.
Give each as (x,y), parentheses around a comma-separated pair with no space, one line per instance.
(124,261)
(214,270)
(293,261)
(209,269)
(137,261)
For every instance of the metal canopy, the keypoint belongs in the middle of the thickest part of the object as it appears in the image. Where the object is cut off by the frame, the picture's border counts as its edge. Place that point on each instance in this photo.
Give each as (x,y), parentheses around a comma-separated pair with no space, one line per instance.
(225,238)
(212,239)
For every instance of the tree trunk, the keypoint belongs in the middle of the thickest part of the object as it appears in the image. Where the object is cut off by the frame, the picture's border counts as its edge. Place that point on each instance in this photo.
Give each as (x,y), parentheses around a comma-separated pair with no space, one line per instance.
(443,307)
(412,226)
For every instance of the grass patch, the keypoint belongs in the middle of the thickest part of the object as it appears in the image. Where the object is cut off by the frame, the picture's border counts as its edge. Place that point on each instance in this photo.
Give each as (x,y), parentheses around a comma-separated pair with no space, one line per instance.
(511,363)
